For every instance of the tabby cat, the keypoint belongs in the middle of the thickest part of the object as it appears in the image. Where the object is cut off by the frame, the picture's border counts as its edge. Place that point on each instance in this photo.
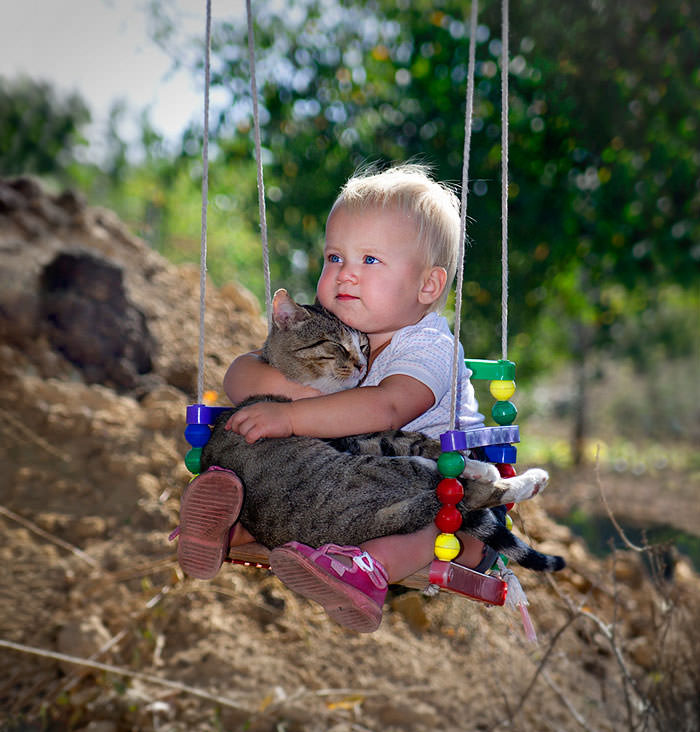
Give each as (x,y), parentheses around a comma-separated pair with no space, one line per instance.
(350,490)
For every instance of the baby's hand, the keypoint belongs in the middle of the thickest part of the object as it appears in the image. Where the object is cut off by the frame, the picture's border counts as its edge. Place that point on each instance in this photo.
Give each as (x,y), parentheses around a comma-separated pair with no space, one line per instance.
(262,419)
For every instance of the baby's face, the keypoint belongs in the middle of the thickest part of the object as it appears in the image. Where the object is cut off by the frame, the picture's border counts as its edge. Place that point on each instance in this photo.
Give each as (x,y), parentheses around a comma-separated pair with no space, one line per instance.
(373,271)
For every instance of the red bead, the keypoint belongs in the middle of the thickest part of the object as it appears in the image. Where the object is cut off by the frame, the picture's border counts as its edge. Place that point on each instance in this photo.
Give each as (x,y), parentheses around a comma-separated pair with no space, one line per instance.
(448,519)
(450,490)
(506,470)
(509,506)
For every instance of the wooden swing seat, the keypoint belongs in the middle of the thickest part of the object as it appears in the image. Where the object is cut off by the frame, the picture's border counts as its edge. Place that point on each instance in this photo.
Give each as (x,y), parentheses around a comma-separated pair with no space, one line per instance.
(448,576)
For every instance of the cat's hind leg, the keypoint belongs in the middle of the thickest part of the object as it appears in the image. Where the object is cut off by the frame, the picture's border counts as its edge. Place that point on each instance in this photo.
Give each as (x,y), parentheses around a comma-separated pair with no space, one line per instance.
(484,487)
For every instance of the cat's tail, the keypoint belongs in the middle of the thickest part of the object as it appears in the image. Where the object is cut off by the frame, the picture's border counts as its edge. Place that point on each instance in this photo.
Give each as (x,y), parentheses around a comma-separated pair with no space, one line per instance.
(485,526)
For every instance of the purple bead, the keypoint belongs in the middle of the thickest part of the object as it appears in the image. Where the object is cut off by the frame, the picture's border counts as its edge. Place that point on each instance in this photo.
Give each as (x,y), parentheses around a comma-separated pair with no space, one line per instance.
(203,414)
(453,440)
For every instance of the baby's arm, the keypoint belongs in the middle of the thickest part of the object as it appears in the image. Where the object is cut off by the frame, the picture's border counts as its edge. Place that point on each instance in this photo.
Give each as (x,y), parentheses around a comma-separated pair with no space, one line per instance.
(249,375)
(396,401)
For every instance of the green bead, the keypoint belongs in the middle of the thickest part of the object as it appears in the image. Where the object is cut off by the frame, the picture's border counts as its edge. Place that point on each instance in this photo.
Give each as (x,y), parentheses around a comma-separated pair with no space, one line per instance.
(193,460)
(504,413)
(450,464)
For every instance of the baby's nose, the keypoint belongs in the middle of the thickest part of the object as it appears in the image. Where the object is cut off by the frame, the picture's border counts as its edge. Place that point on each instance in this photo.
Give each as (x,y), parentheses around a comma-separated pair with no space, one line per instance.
(347,274)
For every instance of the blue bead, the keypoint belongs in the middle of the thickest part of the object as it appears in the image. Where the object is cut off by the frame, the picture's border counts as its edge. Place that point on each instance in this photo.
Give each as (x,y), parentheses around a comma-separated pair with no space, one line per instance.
(197,434)
(500,453)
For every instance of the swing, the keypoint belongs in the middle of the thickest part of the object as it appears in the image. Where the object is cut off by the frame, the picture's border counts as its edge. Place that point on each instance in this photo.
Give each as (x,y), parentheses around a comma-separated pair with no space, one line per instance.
(491,444)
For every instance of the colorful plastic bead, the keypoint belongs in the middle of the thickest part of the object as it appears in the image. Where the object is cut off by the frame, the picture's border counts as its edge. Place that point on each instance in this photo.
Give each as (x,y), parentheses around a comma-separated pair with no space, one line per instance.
(447,547)
(505,470)
(202,414)
(502,390)
(193,460)
(448,519)
(504,412)
(210,396)
(450,490)
(453,440)
(197,434)
(509,522)
(499,453)
(480,436)
(501,370)
(450,464)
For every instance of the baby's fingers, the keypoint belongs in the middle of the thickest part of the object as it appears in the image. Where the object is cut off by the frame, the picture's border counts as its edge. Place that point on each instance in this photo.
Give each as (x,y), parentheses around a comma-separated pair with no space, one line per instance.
(239,422)
(234,421)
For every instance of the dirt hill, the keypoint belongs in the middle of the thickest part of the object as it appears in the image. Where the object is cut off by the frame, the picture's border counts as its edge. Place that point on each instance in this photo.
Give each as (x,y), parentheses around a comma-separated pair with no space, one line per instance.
(98,359)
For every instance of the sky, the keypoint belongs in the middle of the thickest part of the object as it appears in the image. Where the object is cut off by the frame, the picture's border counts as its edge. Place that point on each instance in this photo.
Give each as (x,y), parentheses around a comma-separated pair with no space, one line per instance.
(102,49)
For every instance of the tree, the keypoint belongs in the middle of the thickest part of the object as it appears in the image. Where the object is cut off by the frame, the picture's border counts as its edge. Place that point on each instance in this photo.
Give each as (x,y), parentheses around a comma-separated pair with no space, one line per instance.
(40,130)
(604,155)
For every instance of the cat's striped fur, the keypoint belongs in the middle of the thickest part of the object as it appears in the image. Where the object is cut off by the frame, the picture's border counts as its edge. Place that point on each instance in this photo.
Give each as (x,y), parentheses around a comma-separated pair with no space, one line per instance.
(350,490)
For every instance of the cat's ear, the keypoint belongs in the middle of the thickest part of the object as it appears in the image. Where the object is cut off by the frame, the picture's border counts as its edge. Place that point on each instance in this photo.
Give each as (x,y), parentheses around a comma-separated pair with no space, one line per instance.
(285,312)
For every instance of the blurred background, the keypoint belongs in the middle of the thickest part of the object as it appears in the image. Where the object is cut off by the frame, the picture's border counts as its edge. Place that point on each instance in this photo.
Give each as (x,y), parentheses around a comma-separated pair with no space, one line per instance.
(106,98)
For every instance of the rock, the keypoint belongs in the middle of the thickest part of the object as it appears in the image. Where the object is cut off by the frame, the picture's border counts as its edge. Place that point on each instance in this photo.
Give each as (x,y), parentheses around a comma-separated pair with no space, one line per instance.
(90,320)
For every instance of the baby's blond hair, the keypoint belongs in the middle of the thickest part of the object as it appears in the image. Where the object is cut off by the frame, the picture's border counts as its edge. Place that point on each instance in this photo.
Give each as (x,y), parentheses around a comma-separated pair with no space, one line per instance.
(409,189)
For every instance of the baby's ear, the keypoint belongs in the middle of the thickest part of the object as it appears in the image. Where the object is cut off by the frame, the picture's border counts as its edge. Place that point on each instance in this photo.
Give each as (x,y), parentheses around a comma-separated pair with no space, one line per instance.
(434,282)
(285,312)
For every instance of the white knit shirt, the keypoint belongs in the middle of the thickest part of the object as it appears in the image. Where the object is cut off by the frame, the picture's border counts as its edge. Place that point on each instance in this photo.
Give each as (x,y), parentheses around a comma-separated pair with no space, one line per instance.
(424,352)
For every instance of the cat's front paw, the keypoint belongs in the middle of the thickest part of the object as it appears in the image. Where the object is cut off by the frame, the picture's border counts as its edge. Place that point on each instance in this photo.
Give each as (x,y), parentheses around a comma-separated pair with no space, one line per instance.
(480,471)
(524,486)
(539,478)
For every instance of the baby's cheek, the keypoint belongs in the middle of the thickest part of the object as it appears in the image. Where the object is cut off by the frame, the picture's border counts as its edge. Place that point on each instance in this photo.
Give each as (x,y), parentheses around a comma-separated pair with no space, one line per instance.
(323,294)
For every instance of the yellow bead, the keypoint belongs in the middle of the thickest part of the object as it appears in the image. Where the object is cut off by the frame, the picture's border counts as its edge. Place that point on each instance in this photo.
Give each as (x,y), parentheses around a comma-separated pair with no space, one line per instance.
(502,390)
(509,522)
(447,547)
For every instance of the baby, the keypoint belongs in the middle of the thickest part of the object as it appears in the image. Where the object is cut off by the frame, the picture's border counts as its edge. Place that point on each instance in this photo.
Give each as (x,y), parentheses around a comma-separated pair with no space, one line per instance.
(390,254)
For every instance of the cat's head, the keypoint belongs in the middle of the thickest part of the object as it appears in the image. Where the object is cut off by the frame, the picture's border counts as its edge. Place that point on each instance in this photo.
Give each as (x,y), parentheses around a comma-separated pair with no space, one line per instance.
(310,345)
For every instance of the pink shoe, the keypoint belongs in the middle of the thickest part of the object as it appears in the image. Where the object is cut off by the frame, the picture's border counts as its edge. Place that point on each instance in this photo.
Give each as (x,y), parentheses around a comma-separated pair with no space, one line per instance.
(208,510)
(352,596)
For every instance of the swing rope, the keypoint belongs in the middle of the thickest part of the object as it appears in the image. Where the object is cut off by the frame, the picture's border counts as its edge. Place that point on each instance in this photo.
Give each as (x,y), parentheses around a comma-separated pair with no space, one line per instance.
(205,198)
(469,113)
(205,188)
(505,62)
(465,182)
(259,165)
(462,584)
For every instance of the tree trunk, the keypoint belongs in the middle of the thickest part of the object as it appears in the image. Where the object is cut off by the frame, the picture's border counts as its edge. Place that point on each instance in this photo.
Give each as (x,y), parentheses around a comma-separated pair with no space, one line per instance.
(579,431)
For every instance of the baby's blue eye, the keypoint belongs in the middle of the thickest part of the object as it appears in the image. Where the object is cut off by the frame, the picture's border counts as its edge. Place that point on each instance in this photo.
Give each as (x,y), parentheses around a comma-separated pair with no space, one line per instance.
(334,258)
(369,259)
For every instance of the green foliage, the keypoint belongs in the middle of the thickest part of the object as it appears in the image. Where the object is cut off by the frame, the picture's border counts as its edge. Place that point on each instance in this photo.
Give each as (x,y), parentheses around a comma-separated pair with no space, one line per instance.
(603,160)
(161,200)
(604,155)
(39,129)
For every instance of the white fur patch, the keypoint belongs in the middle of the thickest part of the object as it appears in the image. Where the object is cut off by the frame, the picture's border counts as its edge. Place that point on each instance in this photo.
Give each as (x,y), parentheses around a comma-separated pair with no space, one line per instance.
(477,470)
